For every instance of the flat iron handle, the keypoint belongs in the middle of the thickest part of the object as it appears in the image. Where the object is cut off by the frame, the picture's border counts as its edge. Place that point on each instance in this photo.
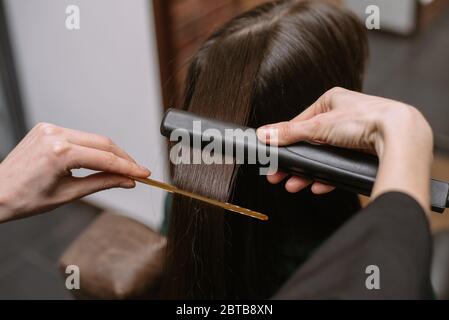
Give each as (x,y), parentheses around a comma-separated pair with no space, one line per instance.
(346,169)
(343,168)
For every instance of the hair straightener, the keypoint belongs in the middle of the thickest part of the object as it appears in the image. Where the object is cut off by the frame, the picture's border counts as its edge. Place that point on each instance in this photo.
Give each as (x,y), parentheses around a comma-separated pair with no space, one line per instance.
(342,168)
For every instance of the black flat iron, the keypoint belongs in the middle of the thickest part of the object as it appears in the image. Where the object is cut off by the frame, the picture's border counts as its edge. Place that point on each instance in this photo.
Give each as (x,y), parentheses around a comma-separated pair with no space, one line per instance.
(342,168)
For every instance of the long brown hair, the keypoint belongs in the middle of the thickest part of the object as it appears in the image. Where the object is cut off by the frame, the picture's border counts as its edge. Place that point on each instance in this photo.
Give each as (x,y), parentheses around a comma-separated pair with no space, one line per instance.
(264,66)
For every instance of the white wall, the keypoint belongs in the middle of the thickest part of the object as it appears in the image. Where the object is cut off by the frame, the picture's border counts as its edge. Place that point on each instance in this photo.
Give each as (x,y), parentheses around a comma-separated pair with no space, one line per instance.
(395,15)
(103,78)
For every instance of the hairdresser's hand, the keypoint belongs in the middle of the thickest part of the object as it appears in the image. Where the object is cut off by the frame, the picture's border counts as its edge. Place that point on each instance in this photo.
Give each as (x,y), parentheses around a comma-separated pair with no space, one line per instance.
(36,176)
(396,132)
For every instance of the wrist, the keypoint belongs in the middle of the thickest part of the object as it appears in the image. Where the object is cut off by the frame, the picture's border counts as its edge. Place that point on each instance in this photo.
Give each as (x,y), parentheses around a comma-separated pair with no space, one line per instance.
(5,207)
(6,200)
(4,211)
(405,150)
(405,130)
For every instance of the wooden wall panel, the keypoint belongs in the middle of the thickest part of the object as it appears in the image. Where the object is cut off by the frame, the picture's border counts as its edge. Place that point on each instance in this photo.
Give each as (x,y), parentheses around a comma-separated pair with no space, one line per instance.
(192,22)
(182,25)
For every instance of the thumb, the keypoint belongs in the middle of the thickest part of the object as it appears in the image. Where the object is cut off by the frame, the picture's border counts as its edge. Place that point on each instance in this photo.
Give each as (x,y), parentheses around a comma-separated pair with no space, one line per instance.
(80,187)
(286,133)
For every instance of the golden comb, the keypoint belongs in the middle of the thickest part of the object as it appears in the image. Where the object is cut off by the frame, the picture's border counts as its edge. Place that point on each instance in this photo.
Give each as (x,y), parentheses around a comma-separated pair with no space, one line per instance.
(224,205)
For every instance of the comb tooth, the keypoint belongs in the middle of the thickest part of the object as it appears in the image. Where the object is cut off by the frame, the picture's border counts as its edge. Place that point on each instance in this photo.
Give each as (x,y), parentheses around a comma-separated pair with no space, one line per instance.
(224,205)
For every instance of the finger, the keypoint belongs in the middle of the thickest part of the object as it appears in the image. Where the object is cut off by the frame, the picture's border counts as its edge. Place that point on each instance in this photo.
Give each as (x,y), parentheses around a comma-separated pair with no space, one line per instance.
(276,178)
(94,159)
(296,184)
(95,141)
(321,188)
(286,133)
(75,188)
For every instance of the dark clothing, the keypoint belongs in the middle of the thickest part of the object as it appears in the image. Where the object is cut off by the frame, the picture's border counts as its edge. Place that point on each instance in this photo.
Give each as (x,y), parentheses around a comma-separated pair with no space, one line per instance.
(393,234)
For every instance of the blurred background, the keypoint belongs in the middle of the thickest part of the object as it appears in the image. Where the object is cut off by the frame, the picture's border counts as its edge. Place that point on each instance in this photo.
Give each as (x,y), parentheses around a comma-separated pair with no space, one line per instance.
(126,64)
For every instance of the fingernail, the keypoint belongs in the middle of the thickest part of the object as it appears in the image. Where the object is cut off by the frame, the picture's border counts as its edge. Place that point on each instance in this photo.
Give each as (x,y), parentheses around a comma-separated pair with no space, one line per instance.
(145,169)
(128,184)
(263,134)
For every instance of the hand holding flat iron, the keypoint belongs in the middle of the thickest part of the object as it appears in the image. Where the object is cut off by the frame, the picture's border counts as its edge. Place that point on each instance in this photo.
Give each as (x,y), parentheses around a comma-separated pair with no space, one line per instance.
(396,132)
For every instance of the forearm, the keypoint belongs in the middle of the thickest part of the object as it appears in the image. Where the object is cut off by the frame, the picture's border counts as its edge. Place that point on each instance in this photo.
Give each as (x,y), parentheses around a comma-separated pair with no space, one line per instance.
(7,203)
(392,233)
(405,151)
(4,203)
(5,210)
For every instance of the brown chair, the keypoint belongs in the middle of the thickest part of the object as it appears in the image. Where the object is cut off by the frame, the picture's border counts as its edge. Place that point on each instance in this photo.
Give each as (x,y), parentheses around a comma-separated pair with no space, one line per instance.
(118,258)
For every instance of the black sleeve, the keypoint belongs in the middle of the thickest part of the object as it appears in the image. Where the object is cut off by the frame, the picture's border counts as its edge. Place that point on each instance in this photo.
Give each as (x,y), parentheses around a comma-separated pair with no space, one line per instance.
(393,234)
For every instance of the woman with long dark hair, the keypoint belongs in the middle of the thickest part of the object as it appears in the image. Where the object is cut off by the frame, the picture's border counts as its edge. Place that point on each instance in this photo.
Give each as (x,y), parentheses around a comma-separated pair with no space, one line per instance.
(264,66)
